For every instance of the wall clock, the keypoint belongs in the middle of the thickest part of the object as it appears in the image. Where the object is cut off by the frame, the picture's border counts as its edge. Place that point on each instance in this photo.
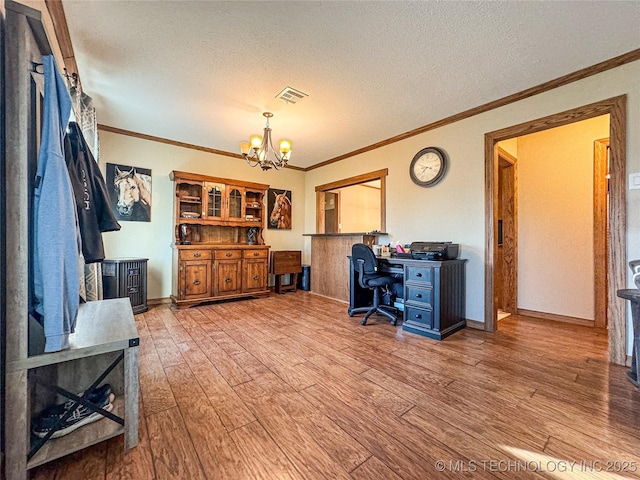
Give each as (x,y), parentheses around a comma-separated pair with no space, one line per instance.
(428,166)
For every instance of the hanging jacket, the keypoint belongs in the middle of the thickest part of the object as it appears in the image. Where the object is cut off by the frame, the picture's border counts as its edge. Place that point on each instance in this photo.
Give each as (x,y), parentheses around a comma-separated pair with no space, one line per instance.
(91,196)
(57,248)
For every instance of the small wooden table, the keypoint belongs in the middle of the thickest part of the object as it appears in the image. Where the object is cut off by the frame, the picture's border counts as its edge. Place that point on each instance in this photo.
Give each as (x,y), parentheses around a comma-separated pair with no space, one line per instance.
(633,295)
(286,262)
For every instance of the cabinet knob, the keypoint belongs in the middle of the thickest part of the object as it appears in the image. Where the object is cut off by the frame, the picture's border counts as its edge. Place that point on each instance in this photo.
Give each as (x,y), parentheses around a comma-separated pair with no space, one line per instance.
(196,282)
(197,254)
(256,277)
(228,254)
(418,274)
(418,315)
(255,254)
(228,279)
(418,295)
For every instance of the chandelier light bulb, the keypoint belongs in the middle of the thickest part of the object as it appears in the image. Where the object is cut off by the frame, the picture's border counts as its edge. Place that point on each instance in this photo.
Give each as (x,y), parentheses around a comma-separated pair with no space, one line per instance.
(285,146)
(259,150)
(256,141)
(245,148)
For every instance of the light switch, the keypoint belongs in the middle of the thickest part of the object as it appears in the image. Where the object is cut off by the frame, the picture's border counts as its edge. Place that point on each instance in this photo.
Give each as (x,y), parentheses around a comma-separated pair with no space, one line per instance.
(634,181)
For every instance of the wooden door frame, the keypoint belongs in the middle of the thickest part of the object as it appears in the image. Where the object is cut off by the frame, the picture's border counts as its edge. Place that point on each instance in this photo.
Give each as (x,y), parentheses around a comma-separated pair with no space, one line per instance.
(600,208)
(616,108)
(513,161)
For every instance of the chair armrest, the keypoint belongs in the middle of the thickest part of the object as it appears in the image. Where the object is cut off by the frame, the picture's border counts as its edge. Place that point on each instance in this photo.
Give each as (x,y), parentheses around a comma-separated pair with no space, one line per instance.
(359,266)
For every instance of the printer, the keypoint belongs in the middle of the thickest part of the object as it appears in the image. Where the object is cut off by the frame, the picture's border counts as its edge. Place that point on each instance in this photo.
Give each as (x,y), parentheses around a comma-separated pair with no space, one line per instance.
(434,250)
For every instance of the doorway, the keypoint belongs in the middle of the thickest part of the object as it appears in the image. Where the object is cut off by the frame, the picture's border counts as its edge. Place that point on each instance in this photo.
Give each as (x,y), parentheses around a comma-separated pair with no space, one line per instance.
(616,239)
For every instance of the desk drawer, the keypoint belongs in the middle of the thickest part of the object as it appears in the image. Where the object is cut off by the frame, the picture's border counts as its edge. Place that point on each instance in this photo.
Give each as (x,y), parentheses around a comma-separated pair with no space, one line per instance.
(418,316)
(418,295)
(419,274)
(228,254)
(195,254)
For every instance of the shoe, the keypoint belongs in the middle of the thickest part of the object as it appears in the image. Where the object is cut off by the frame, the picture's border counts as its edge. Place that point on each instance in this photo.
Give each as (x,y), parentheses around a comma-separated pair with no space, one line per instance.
(46,421)
(96,397)
(81,416)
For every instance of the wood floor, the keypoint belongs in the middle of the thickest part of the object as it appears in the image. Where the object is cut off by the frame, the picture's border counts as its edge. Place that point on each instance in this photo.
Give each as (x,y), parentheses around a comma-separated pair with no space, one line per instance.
(290,387)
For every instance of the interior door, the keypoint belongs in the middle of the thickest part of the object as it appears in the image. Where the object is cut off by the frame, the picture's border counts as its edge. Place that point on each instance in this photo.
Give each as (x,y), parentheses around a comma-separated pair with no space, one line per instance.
(331,209)
(506,260)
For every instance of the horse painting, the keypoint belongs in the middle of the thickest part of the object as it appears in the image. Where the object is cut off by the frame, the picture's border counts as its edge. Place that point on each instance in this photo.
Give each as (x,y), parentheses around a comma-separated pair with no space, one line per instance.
(281,211)
(132,193)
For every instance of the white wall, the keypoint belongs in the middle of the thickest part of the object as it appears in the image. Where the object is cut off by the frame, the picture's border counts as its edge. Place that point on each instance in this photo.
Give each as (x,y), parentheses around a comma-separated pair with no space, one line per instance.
(555,218)
(510,146)
(359,209)
(454,209)
(153,240)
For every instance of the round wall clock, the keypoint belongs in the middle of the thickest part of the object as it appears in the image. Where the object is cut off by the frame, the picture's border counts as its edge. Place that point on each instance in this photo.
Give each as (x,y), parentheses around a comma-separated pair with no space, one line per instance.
(428,166)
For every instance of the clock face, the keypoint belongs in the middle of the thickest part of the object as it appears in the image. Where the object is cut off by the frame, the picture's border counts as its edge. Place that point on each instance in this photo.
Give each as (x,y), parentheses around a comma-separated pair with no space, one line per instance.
(428,166)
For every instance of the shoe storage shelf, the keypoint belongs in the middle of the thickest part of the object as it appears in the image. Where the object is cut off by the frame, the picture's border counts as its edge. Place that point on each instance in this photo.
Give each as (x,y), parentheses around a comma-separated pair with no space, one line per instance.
(105,332)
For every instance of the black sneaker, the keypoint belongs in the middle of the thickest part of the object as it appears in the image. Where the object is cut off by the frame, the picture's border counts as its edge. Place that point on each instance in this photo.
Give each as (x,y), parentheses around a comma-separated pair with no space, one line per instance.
(46,421)
(96,397)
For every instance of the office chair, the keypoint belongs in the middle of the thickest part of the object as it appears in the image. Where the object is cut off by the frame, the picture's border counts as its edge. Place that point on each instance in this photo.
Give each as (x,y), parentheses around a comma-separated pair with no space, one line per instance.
(365,263)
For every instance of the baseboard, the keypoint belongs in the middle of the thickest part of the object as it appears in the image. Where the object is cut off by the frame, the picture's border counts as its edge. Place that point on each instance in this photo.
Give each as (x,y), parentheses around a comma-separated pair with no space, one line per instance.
(557,318)
(475,324)
(158,301)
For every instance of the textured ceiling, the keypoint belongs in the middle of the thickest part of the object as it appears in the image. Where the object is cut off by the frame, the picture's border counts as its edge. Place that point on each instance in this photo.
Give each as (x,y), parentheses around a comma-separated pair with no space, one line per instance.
(202,72)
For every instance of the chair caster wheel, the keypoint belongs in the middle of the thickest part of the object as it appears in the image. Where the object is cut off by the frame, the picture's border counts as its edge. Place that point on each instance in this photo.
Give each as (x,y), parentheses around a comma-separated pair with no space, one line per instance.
(363,322)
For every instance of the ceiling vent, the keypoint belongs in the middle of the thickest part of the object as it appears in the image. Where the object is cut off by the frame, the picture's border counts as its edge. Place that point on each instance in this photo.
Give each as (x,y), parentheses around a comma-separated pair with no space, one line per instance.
(291,95)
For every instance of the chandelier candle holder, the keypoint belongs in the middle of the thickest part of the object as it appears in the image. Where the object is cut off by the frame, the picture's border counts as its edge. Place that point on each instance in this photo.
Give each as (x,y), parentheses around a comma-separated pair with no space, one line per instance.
(259,150)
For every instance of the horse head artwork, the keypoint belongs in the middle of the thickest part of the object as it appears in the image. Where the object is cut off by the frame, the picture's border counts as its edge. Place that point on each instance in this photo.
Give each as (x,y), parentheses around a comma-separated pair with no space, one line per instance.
(281,213)
(133,191)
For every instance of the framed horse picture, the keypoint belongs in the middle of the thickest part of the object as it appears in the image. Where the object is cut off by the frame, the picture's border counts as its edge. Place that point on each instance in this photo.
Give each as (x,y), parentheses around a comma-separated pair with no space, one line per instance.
(129,192)
(279,208)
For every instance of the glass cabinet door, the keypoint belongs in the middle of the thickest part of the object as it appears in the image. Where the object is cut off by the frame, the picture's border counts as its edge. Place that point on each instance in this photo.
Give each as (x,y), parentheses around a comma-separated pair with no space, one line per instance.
(215,198)
(236,196)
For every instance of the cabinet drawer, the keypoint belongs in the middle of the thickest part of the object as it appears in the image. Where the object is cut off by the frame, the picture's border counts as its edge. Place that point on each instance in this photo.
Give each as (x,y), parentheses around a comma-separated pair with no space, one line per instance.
(418,316)
(195,254)
(195,280)
(228,254)
(423,296)
(256,253)
(419,274)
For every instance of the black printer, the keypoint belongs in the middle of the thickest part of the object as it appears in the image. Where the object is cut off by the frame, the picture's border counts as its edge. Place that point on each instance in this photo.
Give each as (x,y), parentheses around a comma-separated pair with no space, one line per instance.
(434,250)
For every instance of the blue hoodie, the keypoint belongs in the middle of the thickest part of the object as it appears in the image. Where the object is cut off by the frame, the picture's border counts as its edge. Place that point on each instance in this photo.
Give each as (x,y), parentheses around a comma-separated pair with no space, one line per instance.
(56,236)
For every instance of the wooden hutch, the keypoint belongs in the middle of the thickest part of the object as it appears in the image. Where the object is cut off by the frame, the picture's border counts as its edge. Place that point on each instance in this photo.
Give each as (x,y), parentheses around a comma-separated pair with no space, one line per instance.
(219,252)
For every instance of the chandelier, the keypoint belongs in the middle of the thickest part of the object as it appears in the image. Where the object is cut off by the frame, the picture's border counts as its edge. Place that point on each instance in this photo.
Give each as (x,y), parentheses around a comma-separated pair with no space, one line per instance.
(259,150)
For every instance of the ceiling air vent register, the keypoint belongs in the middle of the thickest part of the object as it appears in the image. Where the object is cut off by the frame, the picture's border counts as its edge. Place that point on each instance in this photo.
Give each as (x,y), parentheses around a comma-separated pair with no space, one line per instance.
(291,95)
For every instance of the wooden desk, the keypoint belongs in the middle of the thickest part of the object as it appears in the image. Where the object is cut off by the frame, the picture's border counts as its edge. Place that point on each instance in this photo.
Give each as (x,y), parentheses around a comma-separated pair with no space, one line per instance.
(433,292)
(633,295)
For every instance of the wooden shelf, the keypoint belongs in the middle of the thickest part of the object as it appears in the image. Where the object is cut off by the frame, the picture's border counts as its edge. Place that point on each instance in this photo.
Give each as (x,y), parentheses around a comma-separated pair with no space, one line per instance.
(83,437)
(102,326)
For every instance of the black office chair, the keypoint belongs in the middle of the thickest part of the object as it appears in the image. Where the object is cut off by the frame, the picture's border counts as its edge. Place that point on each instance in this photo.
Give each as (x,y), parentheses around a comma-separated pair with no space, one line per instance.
(365,263)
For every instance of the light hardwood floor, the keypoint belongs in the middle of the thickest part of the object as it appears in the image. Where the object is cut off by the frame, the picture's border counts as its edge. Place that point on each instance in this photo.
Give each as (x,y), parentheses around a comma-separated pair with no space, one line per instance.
(290,387)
